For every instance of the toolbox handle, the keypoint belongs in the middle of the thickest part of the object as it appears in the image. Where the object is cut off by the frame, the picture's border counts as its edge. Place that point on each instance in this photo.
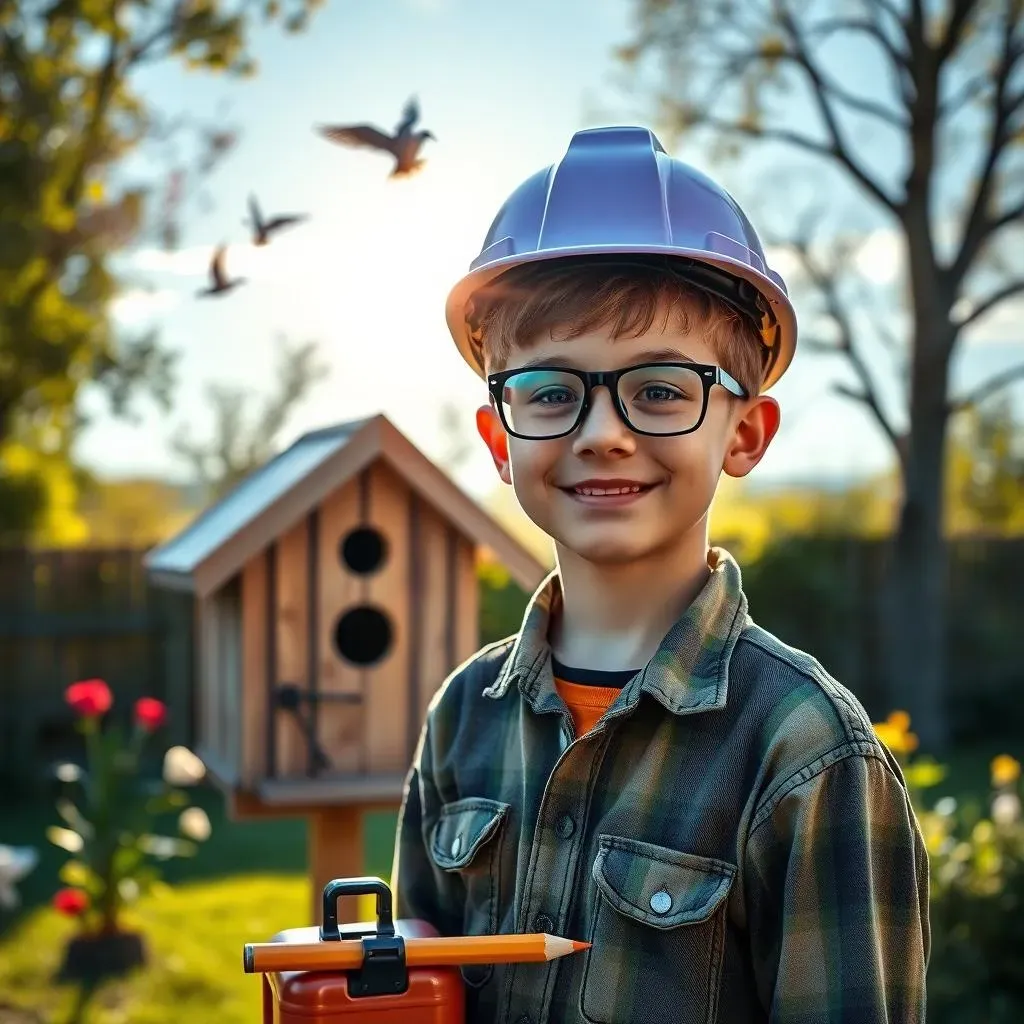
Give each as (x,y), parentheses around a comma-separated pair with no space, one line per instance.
(366,885)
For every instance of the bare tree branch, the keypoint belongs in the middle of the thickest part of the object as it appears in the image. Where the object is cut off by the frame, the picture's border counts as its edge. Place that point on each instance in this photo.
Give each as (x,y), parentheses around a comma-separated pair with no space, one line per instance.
(1007,217)
(903,68)
(792,138)
(971,90)
(1011,288)
(958,18)
(887,8)
(826,283)
(978,223)
(822,348)
(839,149)
(830,26)
(739,60)
(860,103)
(988,387)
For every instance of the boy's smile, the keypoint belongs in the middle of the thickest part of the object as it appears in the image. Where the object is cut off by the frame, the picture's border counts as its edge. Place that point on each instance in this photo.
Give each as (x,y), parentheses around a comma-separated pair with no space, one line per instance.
(608,493)
(604,492)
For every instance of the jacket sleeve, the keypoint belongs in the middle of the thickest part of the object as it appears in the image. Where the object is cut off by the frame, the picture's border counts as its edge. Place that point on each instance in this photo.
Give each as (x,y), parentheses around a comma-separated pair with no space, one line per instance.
(837,871)
(420,888)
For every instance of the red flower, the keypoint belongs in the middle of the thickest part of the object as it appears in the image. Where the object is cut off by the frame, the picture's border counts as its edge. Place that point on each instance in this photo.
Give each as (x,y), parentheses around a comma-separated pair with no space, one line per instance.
(90,698)
(72,902)
(150,713)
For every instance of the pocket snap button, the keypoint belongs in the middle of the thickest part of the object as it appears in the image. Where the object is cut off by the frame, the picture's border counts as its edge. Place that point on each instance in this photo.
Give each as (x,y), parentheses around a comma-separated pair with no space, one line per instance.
(661,902)
(543,923)
(456,846)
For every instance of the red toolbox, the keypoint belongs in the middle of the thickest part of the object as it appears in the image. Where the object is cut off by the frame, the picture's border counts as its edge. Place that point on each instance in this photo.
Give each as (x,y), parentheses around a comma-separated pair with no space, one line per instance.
(383,991)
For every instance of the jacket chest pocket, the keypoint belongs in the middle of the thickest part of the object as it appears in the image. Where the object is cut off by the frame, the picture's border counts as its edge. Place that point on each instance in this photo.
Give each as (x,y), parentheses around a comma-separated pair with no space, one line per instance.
(467,840)
(658,935)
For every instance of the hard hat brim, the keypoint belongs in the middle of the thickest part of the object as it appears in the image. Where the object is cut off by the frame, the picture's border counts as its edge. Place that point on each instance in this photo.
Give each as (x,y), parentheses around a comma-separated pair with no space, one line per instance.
(459,296)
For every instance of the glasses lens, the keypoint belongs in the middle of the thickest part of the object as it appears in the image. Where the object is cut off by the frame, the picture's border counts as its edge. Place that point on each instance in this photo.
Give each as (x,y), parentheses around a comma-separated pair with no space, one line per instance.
(662,399)
(542,403)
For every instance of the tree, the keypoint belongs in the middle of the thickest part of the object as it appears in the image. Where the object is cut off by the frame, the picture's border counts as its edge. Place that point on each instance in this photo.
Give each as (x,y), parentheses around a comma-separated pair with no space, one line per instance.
(69,117)
(134,512)
(237,447)
(944,92)
(986,476)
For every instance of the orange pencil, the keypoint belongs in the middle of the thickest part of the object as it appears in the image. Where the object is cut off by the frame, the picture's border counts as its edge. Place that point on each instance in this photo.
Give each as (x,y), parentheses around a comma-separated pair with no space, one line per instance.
(261,957)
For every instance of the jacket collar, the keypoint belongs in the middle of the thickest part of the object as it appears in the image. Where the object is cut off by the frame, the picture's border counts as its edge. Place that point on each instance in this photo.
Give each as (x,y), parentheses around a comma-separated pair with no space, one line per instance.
(688,673)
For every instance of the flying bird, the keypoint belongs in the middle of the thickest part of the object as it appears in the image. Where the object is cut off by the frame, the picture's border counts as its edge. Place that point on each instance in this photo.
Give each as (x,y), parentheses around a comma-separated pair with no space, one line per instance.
(262,229)
(404,145)
(219,280)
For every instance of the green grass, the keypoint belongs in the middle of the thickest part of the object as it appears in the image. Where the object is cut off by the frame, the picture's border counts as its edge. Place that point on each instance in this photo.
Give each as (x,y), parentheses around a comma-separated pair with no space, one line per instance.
(247,882)
(194,936)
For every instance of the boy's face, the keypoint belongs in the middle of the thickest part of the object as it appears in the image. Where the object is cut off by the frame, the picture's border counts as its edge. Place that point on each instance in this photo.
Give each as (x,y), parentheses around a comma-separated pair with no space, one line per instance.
(679,473)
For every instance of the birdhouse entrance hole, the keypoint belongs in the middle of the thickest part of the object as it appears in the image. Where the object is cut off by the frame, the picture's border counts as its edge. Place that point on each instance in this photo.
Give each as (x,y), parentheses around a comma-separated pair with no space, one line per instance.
(363,635)
(363,550)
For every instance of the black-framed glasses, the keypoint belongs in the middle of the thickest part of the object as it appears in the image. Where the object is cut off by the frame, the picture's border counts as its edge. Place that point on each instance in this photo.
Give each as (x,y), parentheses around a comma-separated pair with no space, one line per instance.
(539,403)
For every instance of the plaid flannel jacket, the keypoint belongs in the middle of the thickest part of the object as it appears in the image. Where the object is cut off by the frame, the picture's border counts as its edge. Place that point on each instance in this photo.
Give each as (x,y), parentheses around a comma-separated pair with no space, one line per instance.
(732,837)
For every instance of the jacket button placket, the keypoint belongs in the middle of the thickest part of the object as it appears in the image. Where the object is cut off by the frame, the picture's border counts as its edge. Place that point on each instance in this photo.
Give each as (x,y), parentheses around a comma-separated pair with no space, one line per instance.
(556,835)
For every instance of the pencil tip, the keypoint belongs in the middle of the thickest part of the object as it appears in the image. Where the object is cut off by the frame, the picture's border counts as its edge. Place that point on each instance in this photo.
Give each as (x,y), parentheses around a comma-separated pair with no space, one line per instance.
(577,945)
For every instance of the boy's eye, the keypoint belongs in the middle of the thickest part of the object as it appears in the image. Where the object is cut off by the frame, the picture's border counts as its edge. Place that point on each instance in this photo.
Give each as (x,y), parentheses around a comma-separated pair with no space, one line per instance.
(659,393)
(660,386)
(554,396)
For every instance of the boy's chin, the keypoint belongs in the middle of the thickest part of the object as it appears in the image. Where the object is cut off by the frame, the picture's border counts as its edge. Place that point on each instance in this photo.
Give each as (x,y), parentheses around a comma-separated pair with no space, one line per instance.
(607,551)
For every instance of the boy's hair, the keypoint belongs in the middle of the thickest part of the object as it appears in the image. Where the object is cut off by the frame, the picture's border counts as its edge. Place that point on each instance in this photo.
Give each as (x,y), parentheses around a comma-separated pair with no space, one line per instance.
(567,298)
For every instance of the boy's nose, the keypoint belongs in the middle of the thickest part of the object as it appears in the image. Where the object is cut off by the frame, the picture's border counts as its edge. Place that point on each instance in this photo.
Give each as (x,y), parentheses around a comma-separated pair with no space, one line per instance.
(602,429)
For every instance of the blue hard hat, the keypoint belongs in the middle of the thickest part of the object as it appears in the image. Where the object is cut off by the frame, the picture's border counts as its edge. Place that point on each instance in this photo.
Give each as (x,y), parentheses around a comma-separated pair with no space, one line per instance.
(617,192)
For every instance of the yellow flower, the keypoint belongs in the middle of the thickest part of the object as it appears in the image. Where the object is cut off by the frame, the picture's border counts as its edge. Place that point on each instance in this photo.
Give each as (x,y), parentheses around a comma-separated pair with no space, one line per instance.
(899,720)
(897,740)
(1005,770)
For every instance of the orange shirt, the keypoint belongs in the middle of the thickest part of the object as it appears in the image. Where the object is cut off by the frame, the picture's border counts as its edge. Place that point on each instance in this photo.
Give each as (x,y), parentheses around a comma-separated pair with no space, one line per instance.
(588,693)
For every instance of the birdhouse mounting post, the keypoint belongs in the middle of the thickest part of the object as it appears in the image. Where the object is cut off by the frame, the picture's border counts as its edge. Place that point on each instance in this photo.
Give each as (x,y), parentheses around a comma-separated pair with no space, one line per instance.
(335,838)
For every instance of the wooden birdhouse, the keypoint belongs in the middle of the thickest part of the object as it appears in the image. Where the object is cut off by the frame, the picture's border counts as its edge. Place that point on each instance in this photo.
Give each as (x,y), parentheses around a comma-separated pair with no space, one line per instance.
(335,589)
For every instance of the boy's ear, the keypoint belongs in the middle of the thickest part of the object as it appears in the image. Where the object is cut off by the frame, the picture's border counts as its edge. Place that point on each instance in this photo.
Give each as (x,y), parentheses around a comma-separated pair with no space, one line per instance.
(752,433)
(488,425)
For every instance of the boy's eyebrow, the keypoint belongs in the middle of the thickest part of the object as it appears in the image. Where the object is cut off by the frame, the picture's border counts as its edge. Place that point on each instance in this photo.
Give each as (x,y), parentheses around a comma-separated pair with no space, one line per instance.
(656,355)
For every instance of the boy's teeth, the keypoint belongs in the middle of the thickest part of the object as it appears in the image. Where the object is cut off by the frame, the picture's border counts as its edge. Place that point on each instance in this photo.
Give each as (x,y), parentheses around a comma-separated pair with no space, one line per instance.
(608,490)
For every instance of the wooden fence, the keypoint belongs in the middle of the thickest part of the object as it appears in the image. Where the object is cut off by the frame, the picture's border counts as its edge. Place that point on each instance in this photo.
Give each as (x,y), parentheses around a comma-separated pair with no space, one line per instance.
(74,614)
(67,615)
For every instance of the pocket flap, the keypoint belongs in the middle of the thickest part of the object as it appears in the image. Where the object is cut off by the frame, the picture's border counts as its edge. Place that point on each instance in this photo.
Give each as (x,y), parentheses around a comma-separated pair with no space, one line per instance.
(463,827)
(657,886)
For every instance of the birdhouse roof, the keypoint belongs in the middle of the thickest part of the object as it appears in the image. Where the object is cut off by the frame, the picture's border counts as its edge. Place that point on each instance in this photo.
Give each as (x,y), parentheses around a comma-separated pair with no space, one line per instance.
(273,498)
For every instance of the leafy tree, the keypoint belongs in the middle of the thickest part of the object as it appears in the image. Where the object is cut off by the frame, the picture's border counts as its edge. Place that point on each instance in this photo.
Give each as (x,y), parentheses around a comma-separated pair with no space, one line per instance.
(937,88)
(237,447)
(69,117)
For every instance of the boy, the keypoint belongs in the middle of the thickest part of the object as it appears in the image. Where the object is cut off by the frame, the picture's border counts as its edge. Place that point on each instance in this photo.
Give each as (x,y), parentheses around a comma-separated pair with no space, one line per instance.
(641,766)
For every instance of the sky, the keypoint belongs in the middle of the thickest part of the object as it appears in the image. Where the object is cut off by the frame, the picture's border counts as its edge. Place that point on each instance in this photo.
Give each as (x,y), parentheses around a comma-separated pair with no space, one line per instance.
(503,87)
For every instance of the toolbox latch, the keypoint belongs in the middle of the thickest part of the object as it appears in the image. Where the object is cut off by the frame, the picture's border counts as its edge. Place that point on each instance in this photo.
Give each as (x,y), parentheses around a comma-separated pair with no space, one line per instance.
(383,971)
